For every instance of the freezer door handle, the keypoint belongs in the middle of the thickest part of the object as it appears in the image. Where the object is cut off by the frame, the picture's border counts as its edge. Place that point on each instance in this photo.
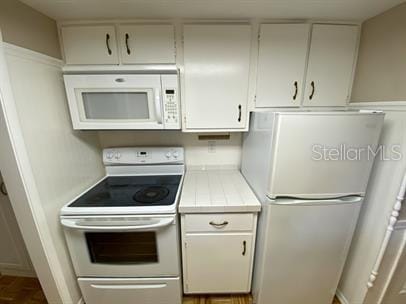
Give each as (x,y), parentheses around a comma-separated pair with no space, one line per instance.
(332,201)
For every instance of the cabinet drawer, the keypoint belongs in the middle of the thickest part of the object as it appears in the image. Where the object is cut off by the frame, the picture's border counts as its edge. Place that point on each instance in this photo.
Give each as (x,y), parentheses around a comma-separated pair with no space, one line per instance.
(130,291)
(218,222)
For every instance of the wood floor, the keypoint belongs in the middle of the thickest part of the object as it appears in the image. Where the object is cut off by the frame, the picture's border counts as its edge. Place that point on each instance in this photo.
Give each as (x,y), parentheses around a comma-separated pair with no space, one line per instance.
(234,299)
(19,290)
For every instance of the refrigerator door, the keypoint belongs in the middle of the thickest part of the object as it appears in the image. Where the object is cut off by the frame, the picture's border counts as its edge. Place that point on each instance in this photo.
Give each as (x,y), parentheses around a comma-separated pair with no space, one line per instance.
(301,249)
(310,154)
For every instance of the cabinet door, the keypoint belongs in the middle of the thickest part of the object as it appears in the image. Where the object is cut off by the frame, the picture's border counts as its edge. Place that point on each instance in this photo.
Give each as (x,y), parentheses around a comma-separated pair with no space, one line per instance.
(90,44)
(281,64)
(147,44)
(216,68)
(218,262)
(331,62)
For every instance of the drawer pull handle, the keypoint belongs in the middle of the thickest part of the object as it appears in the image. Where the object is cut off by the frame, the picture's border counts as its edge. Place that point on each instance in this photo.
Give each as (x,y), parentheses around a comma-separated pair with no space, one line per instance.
(219,225)
(244,246)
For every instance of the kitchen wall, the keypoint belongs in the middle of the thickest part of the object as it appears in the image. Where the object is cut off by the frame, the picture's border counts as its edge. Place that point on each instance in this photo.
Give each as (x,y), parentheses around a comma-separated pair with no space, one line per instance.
(197,152)
(64,162)
(392,273)
(23,26)
(402,215)
(380,73)
(377,208)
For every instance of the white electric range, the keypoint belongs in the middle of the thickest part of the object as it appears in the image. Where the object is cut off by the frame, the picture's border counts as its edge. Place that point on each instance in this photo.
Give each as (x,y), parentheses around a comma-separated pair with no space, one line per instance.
(123,233)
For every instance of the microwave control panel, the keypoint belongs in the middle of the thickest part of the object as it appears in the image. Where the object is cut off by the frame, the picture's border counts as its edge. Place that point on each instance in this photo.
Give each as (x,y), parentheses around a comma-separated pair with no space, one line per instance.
(171,107)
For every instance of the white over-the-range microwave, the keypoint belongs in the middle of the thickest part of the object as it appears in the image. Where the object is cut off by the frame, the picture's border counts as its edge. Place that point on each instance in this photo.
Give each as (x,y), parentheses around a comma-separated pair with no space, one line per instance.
(123,101)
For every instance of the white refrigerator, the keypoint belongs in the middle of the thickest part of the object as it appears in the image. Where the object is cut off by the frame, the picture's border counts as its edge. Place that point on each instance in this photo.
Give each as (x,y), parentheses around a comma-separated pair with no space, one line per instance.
(310,170)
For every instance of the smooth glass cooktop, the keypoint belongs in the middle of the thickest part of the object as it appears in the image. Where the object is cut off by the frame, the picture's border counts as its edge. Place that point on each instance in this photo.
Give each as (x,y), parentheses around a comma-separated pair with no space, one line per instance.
(131,191)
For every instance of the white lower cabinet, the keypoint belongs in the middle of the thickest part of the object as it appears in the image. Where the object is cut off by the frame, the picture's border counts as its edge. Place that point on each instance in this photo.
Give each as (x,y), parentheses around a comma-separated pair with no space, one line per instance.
(219,260)
(131,291)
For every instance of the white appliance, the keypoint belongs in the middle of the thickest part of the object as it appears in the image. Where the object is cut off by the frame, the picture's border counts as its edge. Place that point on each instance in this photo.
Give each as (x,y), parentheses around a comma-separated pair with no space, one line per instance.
(310,171)
(123,101)
(123,232)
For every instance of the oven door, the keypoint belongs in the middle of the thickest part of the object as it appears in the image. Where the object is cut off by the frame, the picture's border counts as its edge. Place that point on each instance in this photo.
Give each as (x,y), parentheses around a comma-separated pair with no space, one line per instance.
(115,101)
(123,246)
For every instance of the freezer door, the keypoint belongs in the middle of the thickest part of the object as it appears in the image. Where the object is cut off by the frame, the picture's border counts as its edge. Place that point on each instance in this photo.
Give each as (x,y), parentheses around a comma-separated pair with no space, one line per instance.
(301,249)
(319,155)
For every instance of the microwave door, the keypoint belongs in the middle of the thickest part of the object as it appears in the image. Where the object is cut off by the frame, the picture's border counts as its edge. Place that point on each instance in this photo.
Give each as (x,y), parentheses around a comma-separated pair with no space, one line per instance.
(103,102)
(120,108)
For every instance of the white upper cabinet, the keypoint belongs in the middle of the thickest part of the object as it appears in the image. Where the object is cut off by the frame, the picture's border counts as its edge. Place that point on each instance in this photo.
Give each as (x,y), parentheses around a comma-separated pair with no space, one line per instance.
(216,73)
(90,44)
(331,63)
(281,64)
(136,43)
(144,44)
(285,50)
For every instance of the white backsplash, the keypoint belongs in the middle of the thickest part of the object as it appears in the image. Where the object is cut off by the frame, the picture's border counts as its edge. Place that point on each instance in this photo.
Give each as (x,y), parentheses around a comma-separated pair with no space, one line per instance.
(198,153)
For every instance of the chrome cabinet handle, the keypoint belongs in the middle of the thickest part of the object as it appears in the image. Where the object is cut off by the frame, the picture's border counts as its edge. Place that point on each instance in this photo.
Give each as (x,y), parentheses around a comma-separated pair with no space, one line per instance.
(296,90)
(126,43)
(239,113)
(313,89)
(219,225)
(244,245)
(3,189)
(108,44)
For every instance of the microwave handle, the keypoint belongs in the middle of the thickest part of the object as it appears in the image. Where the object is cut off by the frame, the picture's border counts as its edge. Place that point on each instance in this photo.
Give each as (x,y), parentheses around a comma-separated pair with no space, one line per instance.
(113,226)
(158,104)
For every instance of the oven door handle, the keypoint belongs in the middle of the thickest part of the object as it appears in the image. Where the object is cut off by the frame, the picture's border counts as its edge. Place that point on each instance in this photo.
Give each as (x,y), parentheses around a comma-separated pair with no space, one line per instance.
(132,286)
(79,224)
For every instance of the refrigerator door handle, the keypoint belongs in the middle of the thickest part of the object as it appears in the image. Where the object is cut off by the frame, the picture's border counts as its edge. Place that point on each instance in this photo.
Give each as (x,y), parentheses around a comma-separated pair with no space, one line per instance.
(304,202)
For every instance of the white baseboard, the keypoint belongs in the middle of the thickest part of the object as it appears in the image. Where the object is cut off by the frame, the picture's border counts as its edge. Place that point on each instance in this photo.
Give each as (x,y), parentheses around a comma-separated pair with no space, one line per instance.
(81,301)
(18,273)
(341,297)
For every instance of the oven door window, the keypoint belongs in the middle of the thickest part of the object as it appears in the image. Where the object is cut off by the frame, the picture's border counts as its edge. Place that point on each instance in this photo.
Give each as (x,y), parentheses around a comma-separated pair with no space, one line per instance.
(122,247)
(104,105)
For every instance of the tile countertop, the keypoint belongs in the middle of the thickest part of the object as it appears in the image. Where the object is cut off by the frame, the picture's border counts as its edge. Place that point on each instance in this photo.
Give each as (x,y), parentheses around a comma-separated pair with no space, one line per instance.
(210,191)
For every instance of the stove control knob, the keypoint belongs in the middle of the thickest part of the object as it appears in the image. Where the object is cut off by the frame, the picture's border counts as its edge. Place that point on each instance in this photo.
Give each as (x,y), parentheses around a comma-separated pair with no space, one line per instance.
(109,155)
(118,155)
(168,155)
(176,154)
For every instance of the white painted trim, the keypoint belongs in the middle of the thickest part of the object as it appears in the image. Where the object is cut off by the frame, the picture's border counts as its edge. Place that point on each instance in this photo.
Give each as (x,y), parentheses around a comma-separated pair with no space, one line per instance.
(81,301)
(400,225)
(379,104)
(22,188)
(341,297)
(187,20)
(389,230)
(393,269)
(29,54)
(111,69)
(354,64)
(18,273)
